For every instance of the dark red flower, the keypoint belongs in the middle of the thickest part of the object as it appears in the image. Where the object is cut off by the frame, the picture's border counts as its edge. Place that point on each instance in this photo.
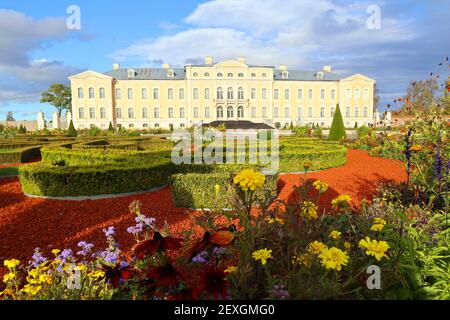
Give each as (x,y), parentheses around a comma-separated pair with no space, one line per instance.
(117,273)
(220,238)
(163,276)
(213,282)
(158,243)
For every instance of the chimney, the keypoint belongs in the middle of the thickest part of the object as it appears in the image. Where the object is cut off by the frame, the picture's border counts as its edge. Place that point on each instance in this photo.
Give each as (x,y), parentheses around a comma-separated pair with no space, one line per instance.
(209,60)
(282,67)
(116,66)
(166,66)
(241,59)
(327,68)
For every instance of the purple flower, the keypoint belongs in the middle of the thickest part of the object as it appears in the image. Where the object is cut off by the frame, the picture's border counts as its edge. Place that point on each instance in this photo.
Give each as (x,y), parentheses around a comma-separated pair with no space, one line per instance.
(136,229)
(86,248)
(280,292)
(200,257)
(218,251)
(438,162)
(37,258)
(65,255)
(110,256)
(144,219)
(109,232)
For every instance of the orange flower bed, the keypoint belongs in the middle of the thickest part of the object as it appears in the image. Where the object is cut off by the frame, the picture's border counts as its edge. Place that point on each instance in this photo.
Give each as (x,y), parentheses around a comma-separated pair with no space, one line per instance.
(27,223)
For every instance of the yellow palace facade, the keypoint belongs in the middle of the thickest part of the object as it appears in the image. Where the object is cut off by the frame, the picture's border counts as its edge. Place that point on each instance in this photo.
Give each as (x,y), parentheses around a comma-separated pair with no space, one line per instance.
(230,90)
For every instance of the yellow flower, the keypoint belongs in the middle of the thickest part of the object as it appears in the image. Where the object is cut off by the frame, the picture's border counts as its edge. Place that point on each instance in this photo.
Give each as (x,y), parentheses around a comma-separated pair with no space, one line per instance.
(32,290)
(6,292)
(80,267)
(231,269)
(45,278)
(378,225)
(347,245)
(316,247)
(304,259)
(416,147)
(275,220)
(307,165)
(320,186)
(341,202)
(335,234)
(309,210)
(9,277)
(249,179)
(262,255)
(96,274)
(333,258)
(217,189)
(56,251)
(375,248)
(11,264)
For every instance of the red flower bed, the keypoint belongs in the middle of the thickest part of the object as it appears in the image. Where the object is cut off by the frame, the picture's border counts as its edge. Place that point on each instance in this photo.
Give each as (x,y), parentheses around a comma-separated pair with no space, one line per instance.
(26,223)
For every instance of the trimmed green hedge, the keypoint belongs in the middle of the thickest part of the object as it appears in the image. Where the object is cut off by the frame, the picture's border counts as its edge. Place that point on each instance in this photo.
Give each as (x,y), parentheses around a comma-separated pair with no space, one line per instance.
(68,181)
(19,155)
(197,190)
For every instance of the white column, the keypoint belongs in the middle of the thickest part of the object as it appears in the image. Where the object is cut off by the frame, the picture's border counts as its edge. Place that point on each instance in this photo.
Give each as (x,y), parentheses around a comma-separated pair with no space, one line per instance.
(40,121)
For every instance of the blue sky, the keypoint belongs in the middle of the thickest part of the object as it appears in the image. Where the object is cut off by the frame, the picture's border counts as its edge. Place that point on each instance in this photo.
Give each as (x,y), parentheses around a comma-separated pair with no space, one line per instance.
(37,49)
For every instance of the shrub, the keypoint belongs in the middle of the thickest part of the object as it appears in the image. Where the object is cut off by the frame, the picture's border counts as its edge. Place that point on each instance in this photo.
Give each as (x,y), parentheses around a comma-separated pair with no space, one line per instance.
(337,131)
(19,155)
(71,132)
(110,128)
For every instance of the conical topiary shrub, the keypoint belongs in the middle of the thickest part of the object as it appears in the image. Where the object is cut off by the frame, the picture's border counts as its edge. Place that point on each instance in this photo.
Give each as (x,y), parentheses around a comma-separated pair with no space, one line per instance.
(337,131)
(110,128)
(71,132)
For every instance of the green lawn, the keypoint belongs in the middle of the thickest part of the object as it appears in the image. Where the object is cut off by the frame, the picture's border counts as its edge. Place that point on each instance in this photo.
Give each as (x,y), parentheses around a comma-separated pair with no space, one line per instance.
(8,171)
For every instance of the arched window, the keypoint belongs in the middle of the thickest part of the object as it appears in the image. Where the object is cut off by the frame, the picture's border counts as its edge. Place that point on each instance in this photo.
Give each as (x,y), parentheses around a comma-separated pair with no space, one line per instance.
(230,75)
(240,75)
(118,94)
(170,94)
(156,94)
(219,93)
(102,93)
(80,93)
(144,94)
(220,75)
(230,93)
(119,113)
(206,93)
(253,75)
(195,74)
(130,94)
(241,112)
(219,112)
(91,93)
(181,94)
(206,74)
(230,112)
(92,113)
(264,75)
(195,94)
(241,93)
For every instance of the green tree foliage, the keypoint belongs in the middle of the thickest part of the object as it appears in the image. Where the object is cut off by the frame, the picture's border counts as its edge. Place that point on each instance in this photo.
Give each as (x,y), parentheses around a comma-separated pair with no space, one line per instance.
(9,116)
(59,96)
(337,131)
(71,131)
(110,128)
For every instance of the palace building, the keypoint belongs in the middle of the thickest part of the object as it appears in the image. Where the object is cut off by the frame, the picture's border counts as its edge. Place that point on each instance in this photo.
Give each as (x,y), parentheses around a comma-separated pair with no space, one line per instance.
(231,90)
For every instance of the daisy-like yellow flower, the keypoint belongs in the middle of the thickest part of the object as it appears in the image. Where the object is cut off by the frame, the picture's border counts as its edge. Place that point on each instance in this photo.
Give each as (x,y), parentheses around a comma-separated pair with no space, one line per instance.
(341,202)
(231,269)
(96,274)
(347,245)
(31,290)
(316,247)
(217,189)
(307,165)
(11,264)
(336,235)
(6,292)
(275,220)
(375,248)
(378,225)
(56,251)
(333,258)
(309,210)
(9,277)
(320,186)
(80,267)
(249,179)
(262,255)
(304,259)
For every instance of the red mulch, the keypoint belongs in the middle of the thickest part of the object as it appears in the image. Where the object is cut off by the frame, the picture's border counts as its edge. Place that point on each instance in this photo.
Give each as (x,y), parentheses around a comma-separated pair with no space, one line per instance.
(26,223)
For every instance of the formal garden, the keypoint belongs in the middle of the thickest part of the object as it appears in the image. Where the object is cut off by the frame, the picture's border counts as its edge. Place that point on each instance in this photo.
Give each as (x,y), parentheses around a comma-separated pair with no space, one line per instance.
(111,216)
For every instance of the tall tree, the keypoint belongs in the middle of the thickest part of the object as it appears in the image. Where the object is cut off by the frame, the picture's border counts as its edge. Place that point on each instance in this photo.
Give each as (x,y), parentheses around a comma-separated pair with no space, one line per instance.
(59,96)
(376,98)
(420,95)
(9,116)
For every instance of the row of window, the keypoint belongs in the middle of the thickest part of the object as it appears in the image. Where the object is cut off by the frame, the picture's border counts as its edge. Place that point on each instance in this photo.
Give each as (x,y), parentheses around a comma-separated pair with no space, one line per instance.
(229,75)
(220,112)
(230,94)
(357,93)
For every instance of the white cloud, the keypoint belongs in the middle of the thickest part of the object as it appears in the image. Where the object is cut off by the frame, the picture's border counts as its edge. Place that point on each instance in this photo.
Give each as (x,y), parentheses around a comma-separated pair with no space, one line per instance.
(23,78)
